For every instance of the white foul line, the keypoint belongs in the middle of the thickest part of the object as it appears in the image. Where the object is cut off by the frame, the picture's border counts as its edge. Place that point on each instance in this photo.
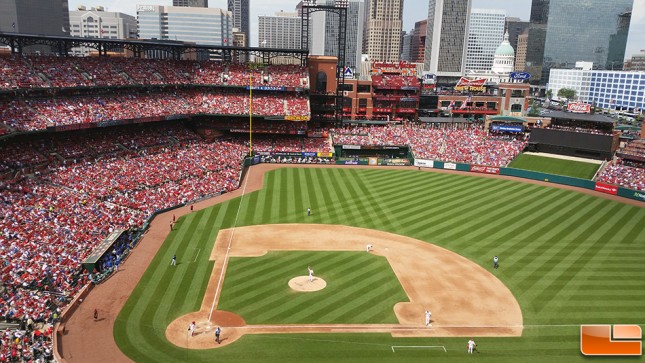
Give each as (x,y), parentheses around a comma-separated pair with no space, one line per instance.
(228,249)
(419,346)
(198,251)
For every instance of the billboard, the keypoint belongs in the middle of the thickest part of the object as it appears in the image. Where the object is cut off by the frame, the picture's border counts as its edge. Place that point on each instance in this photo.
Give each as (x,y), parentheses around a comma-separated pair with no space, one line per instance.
(451,166)
(579,107)
(484,169)
(606,188)
(520,76)
(423,163)
(508,128)
(467,85)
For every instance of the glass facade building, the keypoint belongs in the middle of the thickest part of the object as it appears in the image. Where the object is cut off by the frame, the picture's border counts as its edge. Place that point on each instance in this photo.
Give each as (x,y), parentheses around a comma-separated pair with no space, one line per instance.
(485,34)
(563,32)
(209,26)
(446,37)
(608,89)
(241,15)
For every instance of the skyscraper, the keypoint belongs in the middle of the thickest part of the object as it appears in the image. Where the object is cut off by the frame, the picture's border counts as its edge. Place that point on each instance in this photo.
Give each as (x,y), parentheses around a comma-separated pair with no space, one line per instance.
(191,3)
(418,42)
(485,33)
(282,30)
(383,24)
(210,26)
(324,32)
(241,15)
(98,23)
(46,17)
(446,37)
(563,32)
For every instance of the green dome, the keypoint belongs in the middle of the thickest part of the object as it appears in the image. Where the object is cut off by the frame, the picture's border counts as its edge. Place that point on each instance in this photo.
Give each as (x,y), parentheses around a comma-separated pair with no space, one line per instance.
(505,48)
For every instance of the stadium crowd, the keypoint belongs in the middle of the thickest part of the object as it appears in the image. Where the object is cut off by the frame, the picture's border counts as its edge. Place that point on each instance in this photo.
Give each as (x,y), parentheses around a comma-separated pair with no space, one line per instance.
(38,114)
(471,145)
(625,174)
(24,72)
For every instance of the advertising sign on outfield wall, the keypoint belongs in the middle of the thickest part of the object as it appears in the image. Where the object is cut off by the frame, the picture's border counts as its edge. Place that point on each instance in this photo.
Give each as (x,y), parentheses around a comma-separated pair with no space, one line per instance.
(640,196)
(451,166)
(372,161)
(397,162)
(484,169)
(606,188)
(424,163)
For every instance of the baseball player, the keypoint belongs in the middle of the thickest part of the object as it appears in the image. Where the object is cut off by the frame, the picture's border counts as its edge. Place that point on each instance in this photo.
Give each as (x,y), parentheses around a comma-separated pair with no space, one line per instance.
(308,211)
(495,262)
(311,274)
(191,329)
(173,262)
(428,315)
(471,346)
(218,331)
(368,248)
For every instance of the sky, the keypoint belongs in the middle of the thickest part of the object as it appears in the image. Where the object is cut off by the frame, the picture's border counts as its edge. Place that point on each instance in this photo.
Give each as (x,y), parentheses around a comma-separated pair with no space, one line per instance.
(413,10)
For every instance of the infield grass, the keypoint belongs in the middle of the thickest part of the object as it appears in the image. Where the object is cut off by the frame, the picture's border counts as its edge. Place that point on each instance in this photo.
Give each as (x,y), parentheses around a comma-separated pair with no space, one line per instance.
(363,284)
(569,258)
(572,168)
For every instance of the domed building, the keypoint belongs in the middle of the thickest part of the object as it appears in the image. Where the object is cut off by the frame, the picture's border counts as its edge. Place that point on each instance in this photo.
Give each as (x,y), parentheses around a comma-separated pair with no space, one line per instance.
(504,61)
(503,65)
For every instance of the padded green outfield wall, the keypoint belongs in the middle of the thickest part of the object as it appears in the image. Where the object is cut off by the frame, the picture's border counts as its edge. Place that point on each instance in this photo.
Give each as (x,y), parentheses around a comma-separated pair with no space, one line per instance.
(552,178)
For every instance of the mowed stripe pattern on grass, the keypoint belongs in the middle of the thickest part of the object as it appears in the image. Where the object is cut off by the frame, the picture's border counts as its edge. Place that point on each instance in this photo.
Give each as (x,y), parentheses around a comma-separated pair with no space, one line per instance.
(573,168)
(361,289)
(563,254)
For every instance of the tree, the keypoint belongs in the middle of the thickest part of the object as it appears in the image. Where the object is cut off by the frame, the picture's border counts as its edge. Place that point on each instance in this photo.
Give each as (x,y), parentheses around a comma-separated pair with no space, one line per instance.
(549,94)
(533,112)
(567,93)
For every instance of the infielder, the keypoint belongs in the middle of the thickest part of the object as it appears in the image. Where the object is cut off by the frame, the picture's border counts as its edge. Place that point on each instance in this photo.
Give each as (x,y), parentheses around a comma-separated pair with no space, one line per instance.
(495,262)
(471,346)
(191,329)
(311,274)
(428,315)
(368,248)
(218,331)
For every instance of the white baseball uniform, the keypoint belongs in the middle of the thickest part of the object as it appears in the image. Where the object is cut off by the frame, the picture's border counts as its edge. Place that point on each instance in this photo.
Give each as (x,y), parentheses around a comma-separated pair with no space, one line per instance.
(471,346)
(428,315)
(311,274)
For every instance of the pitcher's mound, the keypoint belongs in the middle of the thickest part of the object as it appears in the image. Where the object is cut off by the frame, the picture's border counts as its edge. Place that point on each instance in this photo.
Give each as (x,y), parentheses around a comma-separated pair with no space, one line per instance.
(302,283)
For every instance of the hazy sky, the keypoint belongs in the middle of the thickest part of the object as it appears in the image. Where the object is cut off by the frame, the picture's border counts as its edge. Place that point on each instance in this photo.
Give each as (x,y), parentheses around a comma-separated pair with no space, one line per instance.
(414,10)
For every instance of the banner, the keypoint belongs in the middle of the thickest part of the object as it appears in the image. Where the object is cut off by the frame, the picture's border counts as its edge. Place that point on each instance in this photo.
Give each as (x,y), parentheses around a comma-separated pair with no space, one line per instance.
(606,188)
(451,166)
(579,107)
(351,147)
(324,155)
(397,162)
(372,161)
(423,163)
(508,128)
(351,162)
(484,169)
(266,88)
(639,195)
(296,118)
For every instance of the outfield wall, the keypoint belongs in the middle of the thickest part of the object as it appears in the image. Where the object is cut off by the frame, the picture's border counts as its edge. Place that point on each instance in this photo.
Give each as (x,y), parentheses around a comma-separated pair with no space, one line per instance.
(534,175)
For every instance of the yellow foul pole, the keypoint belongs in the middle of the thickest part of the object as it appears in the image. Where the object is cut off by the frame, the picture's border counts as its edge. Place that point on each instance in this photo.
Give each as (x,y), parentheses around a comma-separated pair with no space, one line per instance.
(251,113)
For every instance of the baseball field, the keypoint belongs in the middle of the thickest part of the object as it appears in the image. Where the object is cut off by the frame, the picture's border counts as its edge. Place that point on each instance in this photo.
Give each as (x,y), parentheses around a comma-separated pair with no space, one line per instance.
(568,258)
(551,165)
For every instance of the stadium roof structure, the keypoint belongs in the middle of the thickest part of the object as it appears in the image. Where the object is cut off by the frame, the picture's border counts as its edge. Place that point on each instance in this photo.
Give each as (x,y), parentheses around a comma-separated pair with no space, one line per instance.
(508,119)
(584,117)
(174,49)
(445,119)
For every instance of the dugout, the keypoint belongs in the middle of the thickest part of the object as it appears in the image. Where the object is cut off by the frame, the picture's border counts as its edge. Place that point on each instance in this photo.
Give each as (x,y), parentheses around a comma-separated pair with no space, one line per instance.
(574,134)
(92,261)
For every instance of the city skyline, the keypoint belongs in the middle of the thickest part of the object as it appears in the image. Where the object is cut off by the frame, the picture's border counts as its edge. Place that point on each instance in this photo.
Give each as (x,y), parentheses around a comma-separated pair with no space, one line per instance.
(412,12)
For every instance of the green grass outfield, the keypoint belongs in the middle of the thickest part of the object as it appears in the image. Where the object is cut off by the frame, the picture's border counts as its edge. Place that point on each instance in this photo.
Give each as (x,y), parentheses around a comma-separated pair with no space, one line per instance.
(568,257)
(576,169)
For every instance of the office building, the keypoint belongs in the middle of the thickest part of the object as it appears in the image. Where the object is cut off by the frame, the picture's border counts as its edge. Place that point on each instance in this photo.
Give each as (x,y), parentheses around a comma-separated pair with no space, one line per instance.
(324,31)
(447,37)
(636,62)
(282,30)
(616,90)
(98,23)
(562,32)
(44,17)
(191,3)
(406,54)
(241,16)
(485,33)
(383,25)
(418,42)
(520,52)
(515,27)
(209,26)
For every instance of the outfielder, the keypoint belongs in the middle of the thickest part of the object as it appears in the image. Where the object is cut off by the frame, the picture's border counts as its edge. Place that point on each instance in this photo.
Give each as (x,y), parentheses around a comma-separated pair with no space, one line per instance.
(428,315)
(311,274)
(471,346)
(495,262)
